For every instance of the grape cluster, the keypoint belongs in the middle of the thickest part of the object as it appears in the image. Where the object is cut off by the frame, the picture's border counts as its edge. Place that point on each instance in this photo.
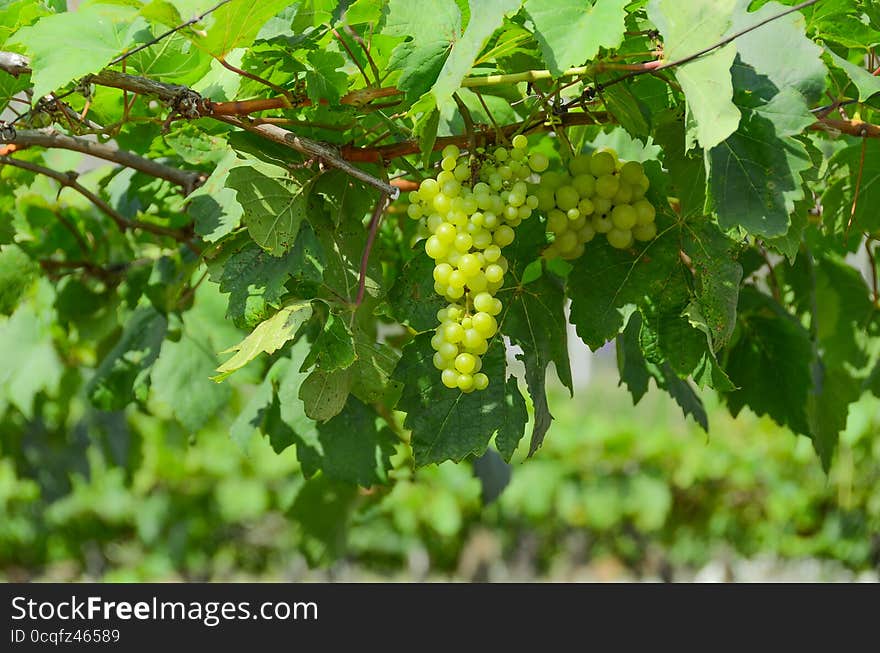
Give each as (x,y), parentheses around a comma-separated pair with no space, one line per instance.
(597,194)
(468,225)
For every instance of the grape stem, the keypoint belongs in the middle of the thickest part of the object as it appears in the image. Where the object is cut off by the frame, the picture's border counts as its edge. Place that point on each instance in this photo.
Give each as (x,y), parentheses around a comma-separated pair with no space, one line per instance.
(375,220)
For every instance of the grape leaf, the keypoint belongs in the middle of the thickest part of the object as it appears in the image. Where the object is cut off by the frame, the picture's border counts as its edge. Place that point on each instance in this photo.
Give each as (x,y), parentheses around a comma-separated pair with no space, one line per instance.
(322,511)
(605,280)
(272,209)
(688,28)
(355,447)
(866,83)
(256,280)
(432,33)
(267,337)
(834,389)
(571,34)
(17,273)
(412,299)
(180,379)
(237,23)
(26,344)
(95,32)
(324,81)
(780,50)
(534,319)
(837,201)
(333,348)
(214,207)
(465,50)
(636,370)
(324,393)
(448,424)
(754,178)
(717,277)
(123,373)
(769,361)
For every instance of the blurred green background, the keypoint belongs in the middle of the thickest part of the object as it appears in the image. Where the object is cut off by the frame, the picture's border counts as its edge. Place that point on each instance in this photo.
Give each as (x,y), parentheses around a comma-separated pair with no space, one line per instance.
(616,493)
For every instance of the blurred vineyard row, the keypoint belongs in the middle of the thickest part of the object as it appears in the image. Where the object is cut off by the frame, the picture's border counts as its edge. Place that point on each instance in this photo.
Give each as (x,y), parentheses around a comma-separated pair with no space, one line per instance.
(124,496)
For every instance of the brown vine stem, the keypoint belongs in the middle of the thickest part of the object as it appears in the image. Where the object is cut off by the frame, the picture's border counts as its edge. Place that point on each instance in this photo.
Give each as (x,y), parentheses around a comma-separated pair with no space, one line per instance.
(375,221)
(69,180)
(771,274)
(256,78)
(49,138)
(366,48)
(164,35)
(312,149)
(388,152)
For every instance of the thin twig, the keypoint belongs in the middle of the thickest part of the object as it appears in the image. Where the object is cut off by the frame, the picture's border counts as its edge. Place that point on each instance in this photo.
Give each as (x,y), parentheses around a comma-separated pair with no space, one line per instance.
(714,46)
(69,180)
(351,56)
(313,149)
(366,48)
(873,261)
(771,275)
(77,236)
(191,21)
(375,220)
(468,122)
(256,78)
(498,133)
(388,152)
(49,138)
(852,213)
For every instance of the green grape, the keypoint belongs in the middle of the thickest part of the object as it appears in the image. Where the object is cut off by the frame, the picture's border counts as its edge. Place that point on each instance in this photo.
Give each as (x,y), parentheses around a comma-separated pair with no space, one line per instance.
(465,363)
(481,381)
(606,186)
(624,217)
(602,224)
(632,172)
(645,232)
(584,184)
(567,198)
(602,163)
(449,377)
(645,212)
(620,238)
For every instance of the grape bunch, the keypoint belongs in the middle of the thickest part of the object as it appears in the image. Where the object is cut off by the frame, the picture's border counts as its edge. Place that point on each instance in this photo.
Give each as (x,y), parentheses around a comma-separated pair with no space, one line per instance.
(469,212)
(596,194)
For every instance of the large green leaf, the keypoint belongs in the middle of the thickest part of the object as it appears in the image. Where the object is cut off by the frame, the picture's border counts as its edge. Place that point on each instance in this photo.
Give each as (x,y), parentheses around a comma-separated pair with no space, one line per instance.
(26,344)
(534,319)
(181,379)
(636,372)
(431,34)
(769,362)
(754,178)
(866,83)
(687,28)
(605,280)
(273,209)
(267,337)
(412,298)
(451,425)
(123,373)
(17,273)
(481,26)
(571,34)
(96,33)
(237,23)
(255,280)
